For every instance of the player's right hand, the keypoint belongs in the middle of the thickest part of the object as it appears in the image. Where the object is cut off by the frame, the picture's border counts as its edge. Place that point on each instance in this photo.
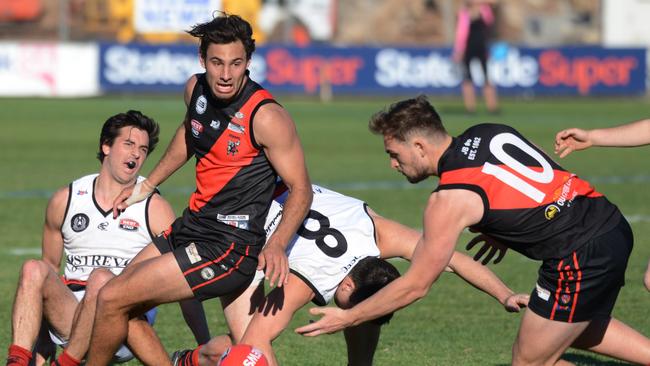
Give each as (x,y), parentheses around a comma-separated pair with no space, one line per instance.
(131,195)
(572,139)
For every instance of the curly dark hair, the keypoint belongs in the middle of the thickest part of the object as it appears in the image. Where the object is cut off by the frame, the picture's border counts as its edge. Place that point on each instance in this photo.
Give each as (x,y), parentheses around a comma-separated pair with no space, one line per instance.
(405,117)
(112,126)
(224,29)
(369,276)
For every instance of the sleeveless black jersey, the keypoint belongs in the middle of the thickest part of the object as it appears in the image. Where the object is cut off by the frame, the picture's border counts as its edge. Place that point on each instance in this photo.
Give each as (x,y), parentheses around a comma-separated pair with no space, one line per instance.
(234,179)
(531,204)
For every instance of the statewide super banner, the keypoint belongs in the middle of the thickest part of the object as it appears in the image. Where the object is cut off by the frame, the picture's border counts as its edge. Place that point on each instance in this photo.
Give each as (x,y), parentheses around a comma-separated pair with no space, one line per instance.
(388,70)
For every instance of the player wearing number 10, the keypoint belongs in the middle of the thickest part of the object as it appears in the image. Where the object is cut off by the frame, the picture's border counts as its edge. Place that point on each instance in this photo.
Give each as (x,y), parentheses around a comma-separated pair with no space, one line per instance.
(496,182)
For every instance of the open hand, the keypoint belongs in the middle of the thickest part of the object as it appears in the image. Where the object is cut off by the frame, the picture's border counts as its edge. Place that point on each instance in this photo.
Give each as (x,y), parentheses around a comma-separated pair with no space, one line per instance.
(333,320)
(490,245)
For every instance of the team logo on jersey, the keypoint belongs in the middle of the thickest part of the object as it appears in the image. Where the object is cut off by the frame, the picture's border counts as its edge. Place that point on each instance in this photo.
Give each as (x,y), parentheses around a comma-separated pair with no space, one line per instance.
(103,226)
(232,147)
(197,128)
(565,299)
(551,211)
(201,104)
(236,128)
(207,273)
(192,253)
(129,225)
(215,124)
(79,222)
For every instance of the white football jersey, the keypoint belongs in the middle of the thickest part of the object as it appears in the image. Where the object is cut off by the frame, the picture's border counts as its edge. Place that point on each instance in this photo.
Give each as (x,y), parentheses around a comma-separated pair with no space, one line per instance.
(336,235)
(93,239)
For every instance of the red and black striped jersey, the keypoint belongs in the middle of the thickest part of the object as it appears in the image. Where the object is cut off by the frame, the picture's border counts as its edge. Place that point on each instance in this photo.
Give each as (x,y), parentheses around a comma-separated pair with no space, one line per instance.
(531,204)
(234,179)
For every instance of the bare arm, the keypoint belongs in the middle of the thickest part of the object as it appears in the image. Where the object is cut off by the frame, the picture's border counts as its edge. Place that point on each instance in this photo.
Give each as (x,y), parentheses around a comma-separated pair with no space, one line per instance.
(276,132)
(446,215)
(275,314)
(485,280)
(177,154)
(161,215)
(627,135)
(52,244)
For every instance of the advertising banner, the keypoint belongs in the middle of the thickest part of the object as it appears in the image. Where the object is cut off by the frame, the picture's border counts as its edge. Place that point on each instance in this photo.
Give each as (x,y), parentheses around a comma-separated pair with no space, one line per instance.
(48,69)
(172,16)
(371,70)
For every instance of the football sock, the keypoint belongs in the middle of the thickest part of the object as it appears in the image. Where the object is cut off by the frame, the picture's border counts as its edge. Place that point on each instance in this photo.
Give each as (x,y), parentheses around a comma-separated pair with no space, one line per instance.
(190,358)
(65,360)
(18,356)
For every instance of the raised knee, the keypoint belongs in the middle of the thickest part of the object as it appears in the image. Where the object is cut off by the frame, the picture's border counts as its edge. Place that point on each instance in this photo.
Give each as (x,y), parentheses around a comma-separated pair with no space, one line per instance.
(34,272)
(97,279)
(108,297)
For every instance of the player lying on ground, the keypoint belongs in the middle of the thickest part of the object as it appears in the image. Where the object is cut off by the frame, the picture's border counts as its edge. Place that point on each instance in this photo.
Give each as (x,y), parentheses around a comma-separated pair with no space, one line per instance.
(335,254)
(96,247)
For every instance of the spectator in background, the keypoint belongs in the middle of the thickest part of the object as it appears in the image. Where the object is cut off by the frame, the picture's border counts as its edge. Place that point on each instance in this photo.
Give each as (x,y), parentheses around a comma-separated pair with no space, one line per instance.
(475,19)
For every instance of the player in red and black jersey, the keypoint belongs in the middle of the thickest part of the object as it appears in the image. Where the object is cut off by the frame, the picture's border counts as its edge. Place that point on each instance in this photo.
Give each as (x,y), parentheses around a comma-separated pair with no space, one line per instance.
(635,133)
(495,181)
(242,140)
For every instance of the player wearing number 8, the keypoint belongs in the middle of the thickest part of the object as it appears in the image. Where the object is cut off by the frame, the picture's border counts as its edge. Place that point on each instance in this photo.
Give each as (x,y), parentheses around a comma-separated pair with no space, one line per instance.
(494,181)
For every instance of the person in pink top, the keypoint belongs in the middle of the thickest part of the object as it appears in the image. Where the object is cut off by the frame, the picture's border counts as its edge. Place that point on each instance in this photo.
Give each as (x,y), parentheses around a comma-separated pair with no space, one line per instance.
(475,18)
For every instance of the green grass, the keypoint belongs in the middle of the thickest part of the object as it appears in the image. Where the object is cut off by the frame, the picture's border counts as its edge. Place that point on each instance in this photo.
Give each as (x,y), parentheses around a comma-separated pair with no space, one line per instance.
(45,143)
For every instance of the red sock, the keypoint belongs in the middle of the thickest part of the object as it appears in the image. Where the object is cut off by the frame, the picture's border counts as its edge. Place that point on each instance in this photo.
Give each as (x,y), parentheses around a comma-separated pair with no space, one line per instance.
(65,360)
(190,358)
(18,356)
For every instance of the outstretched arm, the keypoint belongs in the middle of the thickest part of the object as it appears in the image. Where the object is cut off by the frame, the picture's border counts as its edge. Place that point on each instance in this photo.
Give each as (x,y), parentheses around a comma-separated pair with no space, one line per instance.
(485,280)
(627,135)
(177,154)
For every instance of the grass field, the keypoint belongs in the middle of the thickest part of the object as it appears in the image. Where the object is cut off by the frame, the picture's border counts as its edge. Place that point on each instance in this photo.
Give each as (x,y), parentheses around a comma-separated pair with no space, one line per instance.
(46,143)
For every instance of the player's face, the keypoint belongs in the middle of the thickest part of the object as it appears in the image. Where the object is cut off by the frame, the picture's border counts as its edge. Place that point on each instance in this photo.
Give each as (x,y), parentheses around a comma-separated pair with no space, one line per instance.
(225,66)
(131,146)
(406,158)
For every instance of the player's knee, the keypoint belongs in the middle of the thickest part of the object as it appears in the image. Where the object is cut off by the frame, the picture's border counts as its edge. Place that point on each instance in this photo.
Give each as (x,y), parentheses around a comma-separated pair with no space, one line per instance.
(646,280)
(97,279)
(34,273)
(109,297)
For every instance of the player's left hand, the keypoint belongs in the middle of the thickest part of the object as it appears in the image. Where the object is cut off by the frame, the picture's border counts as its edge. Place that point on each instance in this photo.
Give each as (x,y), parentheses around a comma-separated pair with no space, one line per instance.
(333,320)
(515,302)
(490,244)
(273,260)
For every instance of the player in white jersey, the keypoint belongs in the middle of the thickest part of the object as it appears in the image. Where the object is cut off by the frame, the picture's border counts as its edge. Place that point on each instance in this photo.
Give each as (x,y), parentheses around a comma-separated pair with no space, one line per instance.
(337,254)
(79,227)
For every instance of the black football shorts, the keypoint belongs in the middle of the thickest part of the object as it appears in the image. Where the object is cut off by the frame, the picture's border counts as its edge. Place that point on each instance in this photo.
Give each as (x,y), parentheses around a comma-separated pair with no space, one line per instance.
(212,269)
(585,284)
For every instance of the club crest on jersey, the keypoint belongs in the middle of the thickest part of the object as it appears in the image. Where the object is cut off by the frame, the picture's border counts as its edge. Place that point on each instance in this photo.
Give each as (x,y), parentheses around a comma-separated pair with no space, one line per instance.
(129,225)
(565,299)
(201,104)
(232,147)
(551,211)
(207,273)
(197,128)
(79,222)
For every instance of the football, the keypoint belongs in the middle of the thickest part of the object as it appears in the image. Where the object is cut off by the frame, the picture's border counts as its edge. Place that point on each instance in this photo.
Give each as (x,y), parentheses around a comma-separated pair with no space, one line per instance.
(243,355)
